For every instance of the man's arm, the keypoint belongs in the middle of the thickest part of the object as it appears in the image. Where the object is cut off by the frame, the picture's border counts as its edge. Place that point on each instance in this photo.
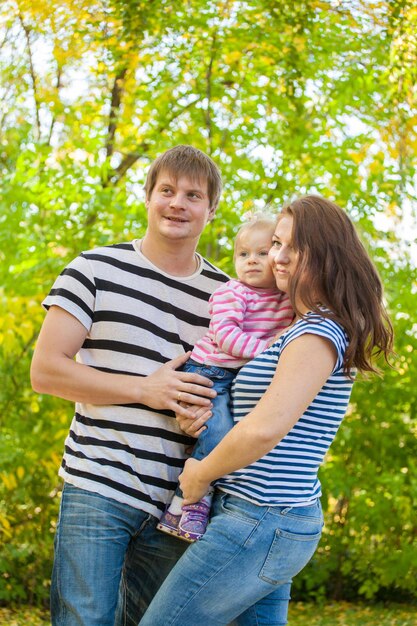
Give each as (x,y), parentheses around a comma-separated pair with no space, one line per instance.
(54,371)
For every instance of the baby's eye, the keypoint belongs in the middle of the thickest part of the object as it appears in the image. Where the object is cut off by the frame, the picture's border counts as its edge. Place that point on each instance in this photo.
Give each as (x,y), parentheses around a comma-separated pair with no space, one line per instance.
(263,253)
(243,254)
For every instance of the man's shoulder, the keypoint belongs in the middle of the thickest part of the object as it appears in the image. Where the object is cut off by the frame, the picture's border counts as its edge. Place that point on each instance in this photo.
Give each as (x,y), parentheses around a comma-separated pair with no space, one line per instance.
(108,250)
(211,271)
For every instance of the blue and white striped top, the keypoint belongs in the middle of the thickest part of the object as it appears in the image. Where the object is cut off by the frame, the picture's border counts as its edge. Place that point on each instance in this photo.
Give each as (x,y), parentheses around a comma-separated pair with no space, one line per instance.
(287,475)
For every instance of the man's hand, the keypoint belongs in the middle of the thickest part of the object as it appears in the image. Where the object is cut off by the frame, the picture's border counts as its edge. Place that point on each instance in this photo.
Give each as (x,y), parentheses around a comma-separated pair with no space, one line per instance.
(55,371)
(168,388)
(192,487)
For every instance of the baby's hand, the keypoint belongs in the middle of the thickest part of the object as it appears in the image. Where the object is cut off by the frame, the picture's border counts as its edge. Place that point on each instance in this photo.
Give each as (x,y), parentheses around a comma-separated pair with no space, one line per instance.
(194,426)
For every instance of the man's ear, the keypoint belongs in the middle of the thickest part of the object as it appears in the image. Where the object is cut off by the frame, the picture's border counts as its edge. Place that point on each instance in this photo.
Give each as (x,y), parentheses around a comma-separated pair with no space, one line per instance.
(211,214)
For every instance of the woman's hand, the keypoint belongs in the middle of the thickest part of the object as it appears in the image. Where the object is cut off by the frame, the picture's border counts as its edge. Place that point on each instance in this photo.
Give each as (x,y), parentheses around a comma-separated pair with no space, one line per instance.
(195,425)
(193,488)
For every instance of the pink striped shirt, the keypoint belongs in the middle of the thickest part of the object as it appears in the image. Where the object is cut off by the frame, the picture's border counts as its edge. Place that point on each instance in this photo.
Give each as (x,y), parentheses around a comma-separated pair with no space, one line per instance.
(243,322)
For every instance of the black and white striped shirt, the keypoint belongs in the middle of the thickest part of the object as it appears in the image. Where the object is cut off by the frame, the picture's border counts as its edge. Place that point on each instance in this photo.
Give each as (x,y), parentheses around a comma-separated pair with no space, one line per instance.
(137,319)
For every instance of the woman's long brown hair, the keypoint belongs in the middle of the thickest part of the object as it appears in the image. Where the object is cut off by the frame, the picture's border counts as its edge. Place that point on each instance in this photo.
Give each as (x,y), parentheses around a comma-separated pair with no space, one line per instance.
(336,278)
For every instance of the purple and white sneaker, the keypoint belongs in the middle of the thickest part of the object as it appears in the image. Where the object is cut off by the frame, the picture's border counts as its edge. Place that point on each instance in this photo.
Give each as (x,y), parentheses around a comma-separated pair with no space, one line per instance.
(169,523)
(194,520)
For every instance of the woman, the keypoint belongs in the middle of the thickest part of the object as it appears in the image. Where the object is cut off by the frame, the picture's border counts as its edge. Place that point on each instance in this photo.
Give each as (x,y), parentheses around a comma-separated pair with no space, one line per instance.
(267,518)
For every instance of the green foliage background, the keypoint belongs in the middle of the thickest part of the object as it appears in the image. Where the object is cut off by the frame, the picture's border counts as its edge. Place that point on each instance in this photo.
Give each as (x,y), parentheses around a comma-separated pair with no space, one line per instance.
(288,98)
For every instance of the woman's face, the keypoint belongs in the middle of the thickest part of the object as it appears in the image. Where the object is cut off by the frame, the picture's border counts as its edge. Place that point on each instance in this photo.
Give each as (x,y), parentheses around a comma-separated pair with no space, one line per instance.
(282,256)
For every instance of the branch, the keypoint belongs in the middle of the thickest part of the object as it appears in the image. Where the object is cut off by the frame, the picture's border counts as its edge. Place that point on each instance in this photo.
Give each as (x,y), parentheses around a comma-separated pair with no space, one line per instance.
(116,99)
(53,121)
(271,196)
(127,162)
(4,40)
(130,158)
(226,132)
(33,78)
(208,90)
(6,92)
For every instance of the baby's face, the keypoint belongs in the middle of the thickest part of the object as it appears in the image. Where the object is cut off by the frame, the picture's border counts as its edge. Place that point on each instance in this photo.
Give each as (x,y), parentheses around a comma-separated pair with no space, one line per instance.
(251,257)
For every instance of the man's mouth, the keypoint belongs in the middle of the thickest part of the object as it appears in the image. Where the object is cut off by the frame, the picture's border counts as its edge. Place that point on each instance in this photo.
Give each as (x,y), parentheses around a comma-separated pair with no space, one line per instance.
(175,219)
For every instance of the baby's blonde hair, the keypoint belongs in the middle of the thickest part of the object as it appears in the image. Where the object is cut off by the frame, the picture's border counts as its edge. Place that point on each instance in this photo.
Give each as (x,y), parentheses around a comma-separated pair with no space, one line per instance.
(257,221)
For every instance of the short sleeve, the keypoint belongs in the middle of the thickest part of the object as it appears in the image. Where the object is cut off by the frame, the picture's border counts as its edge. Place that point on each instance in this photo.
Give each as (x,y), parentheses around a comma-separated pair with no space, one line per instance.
(74,291)
(323,327)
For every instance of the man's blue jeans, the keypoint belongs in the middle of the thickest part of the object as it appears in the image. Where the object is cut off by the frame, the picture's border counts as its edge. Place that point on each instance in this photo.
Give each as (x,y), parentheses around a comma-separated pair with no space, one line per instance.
(94,535)
(134,586)
(221,420)
(241,569)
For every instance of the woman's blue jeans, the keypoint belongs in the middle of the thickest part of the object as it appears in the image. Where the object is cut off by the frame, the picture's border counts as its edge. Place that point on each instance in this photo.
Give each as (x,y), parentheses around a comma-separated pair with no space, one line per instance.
(93,537)
(241,569)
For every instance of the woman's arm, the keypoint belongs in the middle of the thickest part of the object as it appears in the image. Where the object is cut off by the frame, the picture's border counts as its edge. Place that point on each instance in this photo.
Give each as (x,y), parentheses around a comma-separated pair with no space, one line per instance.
(303,368)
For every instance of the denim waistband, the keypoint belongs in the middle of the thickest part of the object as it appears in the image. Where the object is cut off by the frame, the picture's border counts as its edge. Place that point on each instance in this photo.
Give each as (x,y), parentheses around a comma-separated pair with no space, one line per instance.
(258,510)
(233,370)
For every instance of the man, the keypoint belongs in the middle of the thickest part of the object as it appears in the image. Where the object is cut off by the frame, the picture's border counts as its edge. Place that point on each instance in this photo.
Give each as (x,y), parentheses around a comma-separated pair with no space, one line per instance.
(129,313)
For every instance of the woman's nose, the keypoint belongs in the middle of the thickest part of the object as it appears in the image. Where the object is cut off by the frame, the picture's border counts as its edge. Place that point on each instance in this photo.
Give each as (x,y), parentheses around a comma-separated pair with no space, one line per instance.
(278,257)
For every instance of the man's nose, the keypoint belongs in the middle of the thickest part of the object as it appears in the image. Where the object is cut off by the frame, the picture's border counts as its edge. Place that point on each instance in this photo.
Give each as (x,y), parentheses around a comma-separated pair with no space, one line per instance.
(177,200)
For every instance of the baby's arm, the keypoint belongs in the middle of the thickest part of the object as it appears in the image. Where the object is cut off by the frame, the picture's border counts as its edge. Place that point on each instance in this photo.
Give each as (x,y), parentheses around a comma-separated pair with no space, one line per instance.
(228,309)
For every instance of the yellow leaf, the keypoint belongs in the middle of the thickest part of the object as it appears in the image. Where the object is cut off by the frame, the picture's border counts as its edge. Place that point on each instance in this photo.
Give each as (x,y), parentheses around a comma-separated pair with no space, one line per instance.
(9,481)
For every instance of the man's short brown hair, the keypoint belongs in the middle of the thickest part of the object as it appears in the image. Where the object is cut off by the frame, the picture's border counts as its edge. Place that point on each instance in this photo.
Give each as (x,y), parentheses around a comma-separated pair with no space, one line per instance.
(191,162)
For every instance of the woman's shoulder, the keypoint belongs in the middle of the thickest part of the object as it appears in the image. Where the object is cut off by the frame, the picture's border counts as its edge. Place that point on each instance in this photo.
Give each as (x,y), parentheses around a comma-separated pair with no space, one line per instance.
(318,324)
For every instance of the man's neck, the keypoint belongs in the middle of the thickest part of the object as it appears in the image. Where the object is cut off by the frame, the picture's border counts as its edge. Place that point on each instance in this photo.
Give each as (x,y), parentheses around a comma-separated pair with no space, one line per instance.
(177,258)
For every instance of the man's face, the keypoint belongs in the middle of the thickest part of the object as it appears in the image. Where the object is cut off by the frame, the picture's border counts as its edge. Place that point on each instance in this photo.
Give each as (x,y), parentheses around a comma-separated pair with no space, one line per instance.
(178,209)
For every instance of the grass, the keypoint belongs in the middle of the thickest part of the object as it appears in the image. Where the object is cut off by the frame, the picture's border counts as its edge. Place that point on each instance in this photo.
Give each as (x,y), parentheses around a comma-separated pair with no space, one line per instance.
(331,614)
(24,616)
(345,614)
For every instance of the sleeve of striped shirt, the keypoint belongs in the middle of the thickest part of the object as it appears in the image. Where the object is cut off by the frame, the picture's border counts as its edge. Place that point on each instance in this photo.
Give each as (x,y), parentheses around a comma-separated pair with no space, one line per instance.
(228,309)
(74,291)
(323,327)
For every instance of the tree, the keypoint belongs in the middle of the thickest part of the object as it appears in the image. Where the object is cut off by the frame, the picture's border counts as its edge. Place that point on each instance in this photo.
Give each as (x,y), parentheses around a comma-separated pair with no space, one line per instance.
(288,98)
